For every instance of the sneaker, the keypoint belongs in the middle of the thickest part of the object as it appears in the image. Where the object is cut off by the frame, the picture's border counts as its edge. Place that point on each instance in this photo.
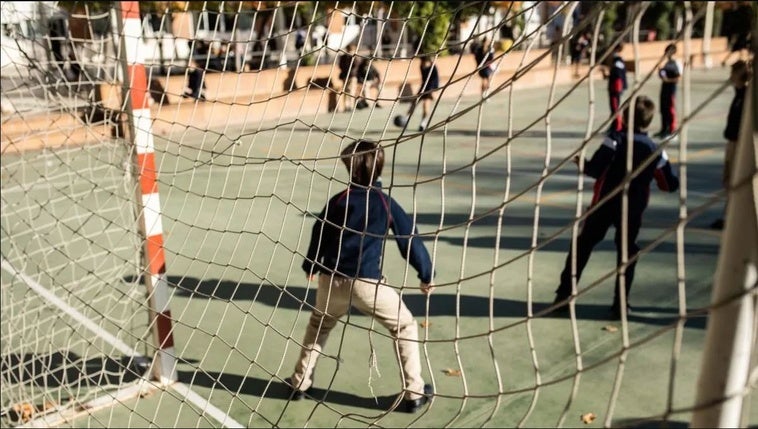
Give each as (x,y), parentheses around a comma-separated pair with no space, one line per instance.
(295,394)
(421,128)
(412,405)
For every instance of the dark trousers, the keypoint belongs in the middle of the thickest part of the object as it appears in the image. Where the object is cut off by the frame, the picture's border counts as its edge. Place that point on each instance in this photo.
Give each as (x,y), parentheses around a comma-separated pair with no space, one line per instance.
(668,111)
(593,231)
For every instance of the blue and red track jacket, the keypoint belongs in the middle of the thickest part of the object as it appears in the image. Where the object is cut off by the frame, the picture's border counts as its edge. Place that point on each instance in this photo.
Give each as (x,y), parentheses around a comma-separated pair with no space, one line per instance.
(608,166)
(617,76)
(349,232)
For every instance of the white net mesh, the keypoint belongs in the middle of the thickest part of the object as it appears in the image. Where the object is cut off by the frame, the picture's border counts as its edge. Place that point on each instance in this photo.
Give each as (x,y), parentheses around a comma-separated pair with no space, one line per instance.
(251,105)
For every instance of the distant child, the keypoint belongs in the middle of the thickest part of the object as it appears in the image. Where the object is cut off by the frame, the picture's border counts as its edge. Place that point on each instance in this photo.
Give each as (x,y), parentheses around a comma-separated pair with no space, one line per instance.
(608,166)
(348,73)
(739,76)
(615,72)
(670,74)
(369,79)
(430,82)
(579,50)
(484,54)
(346,249)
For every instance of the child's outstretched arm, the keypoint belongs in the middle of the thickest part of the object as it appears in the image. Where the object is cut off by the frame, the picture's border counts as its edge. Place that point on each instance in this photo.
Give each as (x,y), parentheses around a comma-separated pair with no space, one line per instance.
(665,176)
(601,159)
(411,246)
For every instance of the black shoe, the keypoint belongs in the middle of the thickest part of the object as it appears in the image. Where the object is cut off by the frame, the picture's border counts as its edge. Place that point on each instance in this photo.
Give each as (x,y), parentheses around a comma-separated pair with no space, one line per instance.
(717,224)
(293,393)
(412,405)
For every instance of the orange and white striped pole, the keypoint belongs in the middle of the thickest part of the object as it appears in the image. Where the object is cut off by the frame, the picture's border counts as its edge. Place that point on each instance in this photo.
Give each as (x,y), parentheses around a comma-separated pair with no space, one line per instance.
(149,207)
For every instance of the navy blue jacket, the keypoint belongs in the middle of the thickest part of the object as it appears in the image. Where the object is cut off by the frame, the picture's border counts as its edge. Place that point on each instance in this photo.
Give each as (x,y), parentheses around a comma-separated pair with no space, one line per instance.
(355,249)
(608,166)
(732,131)
(670,70)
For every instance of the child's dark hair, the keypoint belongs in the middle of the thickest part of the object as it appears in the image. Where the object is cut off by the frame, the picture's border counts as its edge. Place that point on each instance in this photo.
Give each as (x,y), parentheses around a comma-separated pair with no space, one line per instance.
(644,110)
(364,161)
(670,49)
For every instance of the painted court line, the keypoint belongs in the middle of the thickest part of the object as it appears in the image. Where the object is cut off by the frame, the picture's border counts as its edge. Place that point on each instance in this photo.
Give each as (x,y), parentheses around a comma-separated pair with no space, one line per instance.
(45,421)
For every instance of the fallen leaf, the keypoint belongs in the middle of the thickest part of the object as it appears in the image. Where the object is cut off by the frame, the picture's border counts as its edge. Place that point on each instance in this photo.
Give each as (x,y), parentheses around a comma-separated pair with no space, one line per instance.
(452,372)
(610,328)
(424,323)
(588,418)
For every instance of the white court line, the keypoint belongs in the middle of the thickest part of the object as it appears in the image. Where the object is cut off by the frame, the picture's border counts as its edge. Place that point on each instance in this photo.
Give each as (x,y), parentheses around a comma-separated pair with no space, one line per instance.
(52,299)
(74,313)
(206,406)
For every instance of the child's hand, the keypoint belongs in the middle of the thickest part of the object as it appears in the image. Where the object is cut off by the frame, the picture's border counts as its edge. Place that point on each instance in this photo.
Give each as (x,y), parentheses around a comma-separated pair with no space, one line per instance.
(427,288)
(311,277)
(575,159)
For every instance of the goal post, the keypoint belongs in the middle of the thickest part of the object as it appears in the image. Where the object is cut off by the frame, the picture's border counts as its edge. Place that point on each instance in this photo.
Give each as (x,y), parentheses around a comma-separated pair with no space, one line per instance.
(140,125)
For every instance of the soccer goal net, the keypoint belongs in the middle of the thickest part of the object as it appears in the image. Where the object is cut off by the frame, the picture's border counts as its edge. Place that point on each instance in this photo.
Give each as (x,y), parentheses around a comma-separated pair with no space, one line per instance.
(164,165)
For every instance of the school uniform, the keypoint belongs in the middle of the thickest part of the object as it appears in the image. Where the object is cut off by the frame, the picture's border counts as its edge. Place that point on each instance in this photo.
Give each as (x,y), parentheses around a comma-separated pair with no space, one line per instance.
(346,248)
(667,101)
(608,167)
(430,81)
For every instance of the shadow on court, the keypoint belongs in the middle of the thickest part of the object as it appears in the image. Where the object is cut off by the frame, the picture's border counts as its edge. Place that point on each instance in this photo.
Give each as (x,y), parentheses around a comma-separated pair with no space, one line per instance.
(440,304)
(278,390)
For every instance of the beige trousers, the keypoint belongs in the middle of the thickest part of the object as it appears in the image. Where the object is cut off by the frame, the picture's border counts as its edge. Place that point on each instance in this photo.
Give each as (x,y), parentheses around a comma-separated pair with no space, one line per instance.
(333,300)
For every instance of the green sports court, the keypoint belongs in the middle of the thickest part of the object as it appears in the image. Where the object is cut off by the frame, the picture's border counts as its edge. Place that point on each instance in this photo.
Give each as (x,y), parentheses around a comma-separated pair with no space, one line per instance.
(494,195)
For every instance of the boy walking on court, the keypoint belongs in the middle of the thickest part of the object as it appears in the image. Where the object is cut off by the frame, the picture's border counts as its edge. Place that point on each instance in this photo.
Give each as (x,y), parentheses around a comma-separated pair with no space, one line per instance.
(608,166)
(616,75)
(346,251)
(670,74)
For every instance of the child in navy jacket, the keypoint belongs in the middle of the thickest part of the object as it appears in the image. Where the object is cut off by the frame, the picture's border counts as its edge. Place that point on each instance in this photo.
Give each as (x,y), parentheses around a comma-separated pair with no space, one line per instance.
(616,75)
(346,251)
(608,166)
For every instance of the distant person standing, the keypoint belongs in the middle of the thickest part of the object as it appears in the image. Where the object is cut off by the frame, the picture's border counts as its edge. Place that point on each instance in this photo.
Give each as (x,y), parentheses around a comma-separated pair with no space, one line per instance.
(348,75)
(739,77)
(484,54)
(670,74)
(615,72)
(195,83)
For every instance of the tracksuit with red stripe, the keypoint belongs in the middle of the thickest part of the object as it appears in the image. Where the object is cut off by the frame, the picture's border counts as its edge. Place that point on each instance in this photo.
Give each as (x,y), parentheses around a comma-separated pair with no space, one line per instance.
(608,166)
(616,86)
(667,101)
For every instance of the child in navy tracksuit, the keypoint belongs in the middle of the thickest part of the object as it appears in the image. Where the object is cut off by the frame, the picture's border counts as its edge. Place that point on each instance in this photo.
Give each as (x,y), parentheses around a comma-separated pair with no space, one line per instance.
(739,77)
(346,248)
(670,74)
(616,75)
(608,166)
